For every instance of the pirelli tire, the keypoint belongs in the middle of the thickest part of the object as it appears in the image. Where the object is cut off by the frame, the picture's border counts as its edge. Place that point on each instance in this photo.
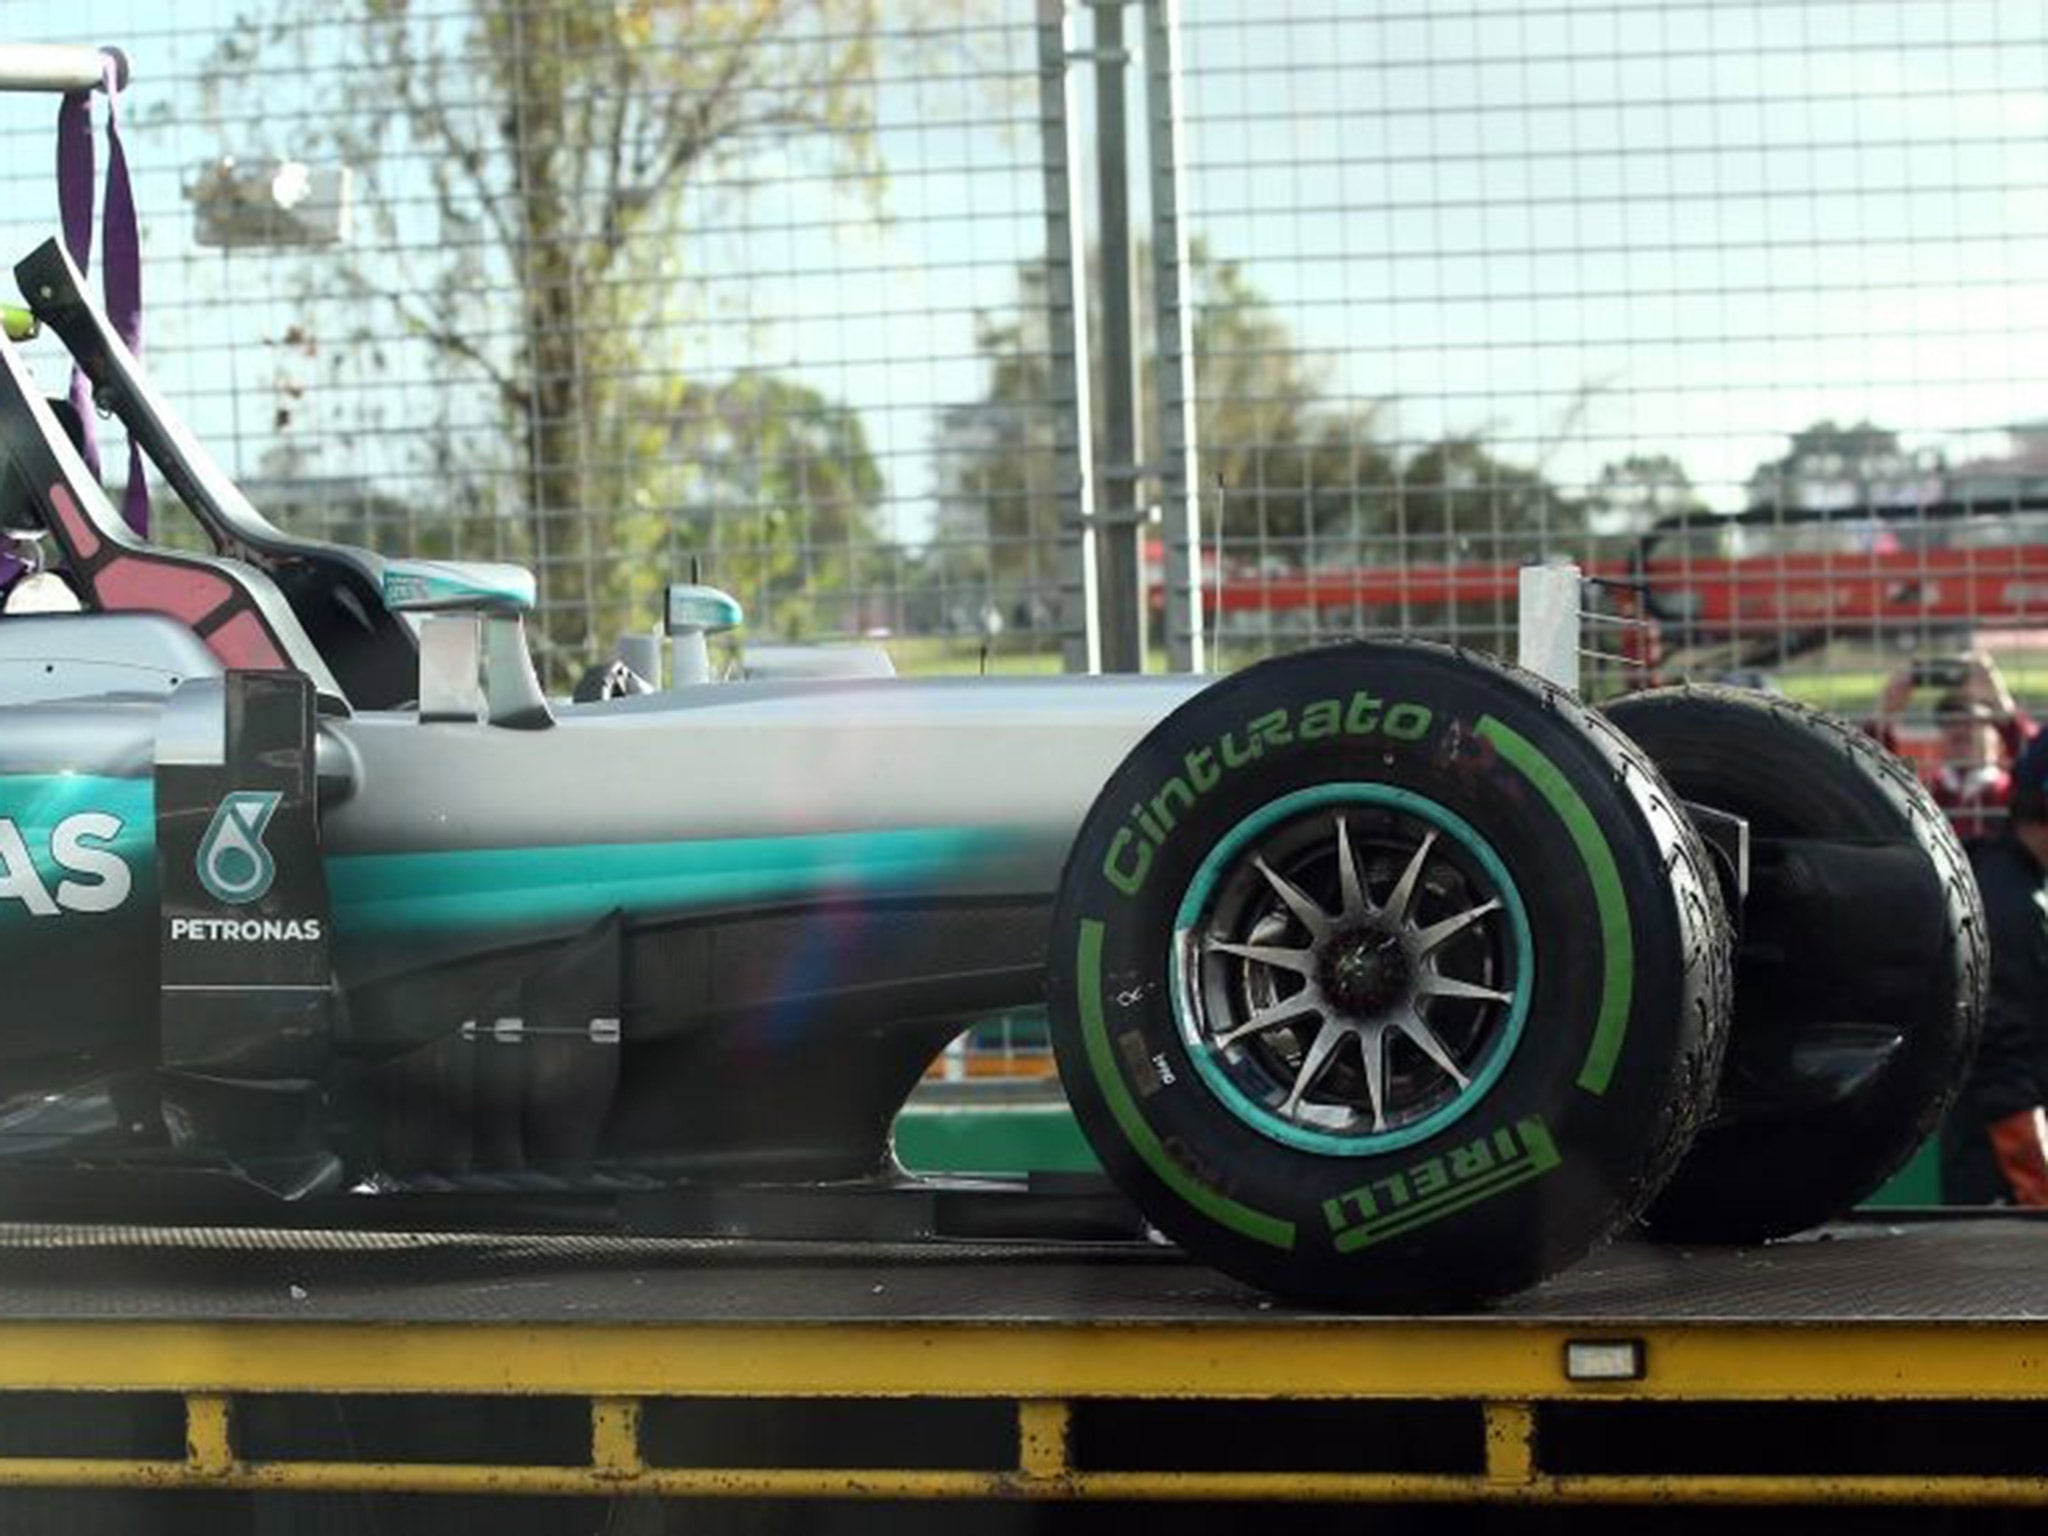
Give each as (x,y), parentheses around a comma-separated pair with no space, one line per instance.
(1387,977)
(1898,951)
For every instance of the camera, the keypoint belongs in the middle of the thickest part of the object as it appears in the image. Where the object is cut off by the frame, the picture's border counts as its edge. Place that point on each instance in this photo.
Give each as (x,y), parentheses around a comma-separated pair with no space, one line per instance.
(1940,672)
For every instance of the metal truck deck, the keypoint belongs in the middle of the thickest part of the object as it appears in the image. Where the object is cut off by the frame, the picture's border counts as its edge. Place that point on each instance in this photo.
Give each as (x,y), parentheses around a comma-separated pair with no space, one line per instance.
(1901,1360)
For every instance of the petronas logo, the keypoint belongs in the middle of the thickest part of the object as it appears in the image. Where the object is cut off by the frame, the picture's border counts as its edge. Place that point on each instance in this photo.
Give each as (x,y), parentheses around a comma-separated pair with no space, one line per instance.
(234,866)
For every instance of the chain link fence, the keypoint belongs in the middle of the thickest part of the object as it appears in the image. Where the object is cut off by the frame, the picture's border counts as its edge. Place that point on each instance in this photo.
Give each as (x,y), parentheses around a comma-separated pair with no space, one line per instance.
(1740,305)
(620,292)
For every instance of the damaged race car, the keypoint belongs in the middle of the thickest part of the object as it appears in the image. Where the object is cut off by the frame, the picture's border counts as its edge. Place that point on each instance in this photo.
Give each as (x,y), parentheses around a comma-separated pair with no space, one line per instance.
(1381,975)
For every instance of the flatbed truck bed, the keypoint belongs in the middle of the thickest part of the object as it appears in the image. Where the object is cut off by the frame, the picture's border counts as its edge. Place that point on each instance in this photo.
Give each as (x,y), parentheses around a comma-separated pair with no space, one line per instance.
(1894,1360)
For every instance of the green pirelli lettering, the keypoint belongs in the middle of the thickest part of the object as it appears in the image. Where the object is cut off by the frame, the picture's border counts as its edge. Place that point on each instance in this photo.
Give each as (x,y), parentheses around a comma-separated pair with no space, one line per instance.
(1256,1225)
(1617,935)
(1388,1207)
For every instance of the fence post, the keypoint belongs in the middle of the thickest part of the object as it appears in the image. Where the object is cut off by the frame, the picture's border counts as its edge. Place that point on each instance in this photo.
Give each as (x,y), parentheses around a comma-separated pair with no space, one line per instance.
(1067,329)
(1118,522)
(1547,639)
(1173,311)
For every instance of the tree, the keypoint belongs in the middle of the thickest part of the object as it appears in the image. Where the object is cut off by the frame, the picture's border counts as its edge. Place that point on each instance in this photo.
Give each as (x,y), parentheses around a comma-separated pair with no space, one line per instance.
(1456,502)
(773,483)
(1307,482)
(1297,469)
(1829,467)
(537,155)
(1633,493)
(1304,478)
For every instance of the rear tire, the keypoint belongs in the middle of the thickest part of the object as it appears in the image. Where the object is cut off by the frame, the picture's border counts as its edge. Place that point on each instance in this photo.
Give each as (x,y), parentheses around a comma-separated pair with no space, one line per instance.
(1387,977)
(1916,965)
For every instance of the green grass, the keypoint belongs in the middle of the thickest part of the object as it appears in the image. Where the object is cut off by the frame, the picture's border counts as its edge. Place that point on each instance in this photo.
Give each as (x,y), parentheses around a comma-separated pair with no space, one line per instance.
(1852,695)
(1849,682)
(1847,686)
(962,656)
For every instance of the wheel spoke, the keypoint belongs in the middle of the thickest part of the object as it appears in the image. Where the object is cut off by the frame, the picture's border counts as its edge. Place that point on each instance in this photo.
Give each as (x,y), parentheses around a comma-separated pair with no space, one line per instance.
(1428,940)
(1311,916)
(1404,889)
(1417,1029)
(1307,1000)
(1301,961)
(1355,903)
(1317,1057)
(1372,1045)
(1429,984)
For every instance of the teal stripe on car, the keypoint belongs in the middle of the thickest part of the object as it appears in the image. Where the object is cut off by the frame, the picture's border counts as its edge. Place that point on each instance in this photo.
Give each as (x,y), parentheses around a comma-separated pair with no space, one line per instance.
(35,803)
(41,800)
(478,888)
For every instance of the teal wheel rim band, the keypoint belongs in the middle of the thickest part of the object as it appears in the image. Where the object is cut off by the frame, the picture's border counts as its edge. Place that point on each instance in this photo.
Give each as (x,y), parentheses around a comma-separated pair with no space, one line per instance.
(1506,1038)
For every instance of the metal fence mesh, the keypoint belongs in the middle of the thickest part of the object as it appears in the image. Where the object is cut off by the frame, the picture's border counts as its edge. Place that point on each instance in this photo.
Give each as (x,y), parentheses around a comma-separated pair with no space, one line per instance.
(627,292)
(763,291)
(1523,279)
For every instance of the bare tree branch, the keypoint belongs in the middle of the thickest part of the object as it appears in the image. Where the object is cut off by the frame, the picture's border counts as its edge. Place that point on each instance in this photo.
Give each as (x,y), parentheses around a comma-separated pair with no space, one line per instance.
(431,111)
(456,344)
(690,125)
(615,147)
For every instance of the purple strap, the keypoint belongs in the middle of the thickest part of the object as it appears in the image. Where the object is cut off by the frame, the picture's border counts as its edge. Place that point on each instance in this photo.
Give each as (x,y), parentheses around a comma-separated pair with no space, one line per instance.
(123,279)
(76,174)
(75,177)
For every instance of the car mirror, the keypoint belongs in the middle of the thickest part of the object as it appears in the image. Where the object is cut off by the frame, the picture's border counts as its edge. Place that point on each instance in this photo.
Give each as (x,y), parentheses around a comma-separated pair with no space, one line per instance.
(695,613)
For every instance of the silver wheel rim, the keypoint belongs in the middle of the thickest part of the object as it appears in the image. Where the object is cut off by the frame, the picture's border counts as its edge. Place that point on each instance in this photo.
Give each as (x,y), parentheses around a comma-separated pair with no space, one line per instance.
(1354,975)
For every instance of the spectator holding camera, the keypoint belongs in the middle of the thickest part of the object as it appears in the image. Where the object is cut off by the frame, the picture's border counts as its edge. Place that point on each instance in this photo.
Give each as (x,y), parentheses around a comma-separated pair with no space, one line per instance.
(1994,1144)
(1983,732)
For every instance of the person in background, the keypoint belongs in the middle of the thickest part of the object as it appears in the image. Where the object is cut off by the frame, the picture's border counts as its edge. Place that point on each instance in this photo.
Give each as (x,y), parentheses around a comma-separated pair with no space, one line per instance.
(1983,731)
(1994,1144)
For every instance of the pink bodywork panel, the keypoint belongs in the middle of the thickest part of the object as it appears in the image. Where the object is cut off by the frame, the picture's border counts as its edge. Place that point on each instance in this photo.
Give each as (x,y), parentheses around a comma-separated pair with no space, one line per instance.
(139,584)
(85,539)
(243,643)
(144,583)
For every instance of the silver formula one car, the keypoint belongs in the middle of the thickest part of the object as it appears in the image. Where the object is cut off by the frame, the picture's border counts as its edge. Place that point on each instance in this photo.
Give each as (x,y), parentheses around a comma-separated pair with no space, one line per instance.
(1381,974)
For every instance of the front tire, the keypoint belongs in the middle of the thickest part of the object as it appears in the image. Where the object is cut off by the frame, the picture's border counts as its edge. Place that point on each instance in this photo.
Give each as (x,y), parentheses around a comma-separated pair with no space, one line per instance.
(1384,976)
(1884,943)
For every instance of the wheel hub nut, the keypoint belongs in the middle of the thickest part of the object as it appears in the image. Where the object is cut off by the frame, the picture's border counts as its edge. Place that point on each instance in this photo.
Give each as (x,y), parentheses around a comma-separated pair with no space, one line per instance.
(1366,972)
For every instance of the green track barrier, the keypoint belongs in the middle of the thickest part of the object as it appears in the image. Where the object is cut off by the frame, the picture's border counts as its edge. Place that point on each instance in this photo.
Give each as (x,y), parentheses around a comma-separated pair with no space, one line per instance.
(1020,1138)
(1918,1183)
